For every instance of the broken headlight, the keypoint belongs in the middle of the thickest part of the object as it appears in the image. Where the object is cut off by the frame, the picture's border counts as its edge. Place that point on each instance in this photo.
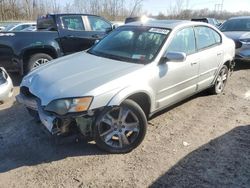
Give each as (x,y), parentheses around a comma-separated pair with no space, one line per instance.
(71,105)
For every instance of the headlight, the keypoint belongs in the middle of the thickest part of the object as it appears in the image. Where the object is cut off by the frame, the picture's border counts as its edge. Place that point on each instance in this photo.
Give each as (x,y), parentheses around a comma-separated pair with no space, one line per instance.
(245,41)
(64,106)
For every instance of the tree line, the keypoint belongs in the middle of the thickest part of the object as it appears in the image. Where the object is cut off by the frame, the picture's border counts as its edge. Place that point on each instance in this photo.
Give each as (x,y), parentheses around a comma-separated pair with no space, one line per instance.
(110,9)
(31,9)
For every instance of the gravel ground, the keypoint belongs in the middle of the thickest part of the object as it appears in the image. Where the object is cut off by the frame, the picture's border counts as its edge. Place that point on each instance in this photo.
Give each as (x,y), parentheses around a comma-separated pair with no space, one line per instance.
(202,142)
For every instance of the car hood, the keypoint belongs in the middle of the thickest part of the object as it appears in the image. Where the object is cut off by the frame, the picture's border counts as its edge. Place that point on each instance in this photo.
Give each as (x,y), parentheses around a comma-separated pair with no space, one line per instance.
(76,75)
(237,35)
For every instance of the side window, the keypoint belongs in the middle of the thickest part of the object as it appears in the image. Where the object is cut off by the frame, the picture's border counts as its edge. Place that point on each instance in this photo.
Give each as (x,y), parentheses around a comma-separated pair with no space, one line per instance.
(18,28)
(74,23)
(98,24)
(206,37)
(183,41)
(217,37)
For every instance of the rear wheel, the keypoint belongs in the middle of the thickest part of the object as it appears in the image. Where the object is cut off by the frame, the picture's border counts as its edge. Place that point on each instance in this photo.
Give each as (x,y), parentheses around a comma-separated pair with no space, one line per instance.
(220,81)
(37,60)
(121,129)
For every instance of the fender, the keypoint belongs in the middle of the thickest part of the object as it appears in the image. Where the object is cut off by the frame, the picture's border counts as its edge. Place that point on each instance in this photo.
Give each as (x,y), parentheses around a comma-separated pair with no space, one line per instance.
(129,91)
(49,49)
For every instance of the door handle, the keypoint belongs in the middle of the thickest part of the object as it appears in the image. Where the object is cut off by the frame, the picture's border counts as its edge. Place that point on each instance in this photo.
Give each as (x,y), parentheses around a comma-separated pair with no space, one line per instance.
(219,53)
(194,63)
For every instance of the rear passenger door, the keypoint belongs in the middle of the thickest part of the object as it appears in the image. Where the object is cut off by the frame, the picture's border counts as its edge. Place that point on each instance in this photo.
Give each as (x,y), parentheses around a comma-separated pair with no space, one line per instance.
(74,35)
(210,54)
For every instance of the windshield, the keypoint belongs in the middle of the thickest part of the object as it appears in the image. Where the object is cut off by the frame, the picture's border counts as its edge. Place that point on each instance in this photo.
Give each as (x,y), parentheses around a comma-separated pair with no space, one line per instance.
(132,44)
(236,25)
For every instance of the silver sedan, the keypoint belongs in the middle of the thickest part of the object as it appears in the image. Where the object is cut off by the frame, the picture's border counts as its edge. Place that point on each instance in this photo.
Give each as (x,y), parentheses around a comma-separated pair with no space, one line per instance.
(6,86)
(108,92)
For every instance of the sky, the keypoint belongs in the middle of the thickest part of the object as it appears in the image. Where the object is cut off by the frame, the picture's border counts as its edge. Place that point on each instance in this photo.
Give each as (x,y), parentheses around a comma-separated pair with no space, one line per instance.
(156,6)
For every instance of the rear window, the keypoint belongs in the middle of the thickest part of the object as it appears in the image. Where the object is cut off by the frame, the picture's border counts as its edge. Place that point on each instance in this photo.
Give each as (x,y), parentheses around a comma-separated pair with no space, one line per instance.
(46,23)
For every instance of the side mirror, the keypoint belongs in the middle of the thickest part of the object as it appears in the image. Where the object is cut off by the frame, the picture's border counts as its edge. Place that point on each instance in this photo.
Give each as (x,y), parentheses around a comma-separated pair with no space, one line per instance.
(114,26)
(174,57)
(108,30)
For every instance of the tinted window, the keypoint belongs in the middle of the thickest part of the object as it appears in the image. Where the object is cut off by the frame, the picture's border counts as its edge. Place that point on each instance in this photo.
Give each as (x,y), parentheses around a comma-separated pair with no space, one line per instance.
(20,27)
(73,23)
(132,44)
(206,37)
(46,23)
(98,24)
(184,41)
(236,25)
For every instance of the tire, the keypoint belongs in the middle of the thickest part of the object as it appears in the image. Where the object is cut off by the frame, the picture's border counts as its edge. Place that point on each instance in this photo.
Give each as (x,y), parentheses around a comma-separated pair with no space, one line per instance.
(36,60)
(120,134)
(220,81)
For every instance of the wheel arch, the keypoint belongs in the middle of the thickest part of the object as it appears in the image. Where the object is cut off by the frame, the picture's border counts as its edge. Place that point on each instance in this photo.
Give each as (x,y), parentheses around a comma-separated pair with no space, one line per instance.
(31,51)
(141,97)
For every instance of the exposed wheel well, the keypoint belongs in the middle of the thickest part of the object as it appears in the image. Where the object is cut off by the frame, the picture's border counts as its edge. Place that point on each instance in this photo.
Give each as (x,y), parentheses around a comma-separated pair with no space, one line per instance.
(227,64)
(143,101)
(230,65)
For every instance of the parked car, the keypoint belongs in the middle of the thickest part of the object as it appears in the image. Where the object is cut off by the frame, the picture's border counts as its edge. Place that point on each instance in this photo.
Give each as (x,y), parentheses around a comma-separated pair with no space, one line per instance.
(108,92)
(57,35)
(31,28)
(6,86)
(238,29)
(211,21)
(18,26)
(136,19)
(2,28)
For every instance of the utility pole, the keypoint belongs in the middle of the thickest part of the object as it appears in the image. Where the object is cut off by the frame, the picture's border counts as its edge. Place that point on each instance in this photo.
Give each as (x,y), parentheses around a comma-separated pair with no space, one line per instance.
(219,7)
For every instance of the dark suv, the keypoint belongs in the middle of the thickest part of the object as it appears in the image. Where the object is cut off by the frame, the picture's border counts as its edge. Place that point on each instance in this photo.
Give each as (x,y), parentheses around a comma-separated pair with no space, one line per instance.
(211,21)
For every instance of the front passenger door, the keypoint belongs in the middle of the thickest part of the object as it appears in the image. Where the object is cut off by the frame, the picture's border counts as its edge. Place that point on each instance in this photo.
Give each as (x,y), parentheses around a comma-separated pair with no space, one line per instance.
(178,80)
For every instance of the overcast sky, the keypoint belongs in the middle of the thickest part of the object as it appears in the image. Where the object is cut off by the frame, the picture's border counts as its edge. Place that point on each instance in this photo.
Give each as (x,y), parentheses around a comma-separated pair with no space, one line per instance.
(156,6)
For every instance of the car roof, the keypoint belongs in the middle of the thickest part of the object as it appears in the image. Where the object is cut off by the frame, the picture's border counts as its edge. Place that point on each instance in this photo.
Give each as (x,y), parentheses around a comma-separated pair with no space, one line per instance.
(168,24)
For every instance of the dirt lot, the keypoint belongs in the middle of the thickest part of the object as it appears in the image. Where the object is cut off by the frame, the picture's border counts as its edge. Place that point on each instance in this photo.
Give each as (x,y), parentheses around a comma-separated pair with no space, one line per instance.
(202,142)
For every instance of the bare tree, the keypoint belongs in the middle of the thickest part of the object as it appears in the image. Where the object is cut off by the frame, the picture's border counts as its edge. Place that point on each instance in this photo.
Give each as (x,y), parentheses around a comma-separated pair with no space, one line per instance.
(136,7)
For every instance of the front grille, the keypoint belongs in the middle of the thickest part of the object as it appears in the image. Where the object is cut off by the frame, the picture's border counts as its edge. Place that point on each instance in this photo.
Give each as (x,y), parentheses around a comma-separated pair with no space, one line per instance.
(26,92)
(238,44)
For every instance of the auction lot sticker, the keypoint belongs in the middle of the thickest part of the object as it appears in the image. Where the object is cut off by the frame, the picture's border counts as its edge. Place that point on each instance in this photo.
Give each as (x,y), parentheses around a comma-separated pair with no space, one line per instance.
(160,31)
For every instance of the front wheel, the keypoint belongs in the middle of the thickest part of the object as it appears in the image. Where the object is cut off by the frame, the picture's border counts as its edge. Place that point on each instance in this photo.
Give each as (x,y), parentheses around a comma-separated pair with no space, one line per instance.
(121,129)
(220,81)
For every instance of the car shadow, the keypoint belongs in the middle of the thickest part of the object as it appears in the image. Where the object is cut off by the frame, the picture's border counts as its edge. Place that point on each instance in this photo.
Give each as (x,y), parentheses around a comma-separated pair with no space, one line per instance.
(23,142)
(16,79)
(241,65)
(223,162)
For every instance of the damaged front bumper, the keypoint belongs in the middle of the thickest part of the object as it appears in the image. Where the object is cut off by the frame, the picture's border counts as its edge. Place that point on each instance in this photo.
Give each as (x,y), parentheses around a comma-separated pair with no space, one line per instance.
(59,125)
(33,103)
